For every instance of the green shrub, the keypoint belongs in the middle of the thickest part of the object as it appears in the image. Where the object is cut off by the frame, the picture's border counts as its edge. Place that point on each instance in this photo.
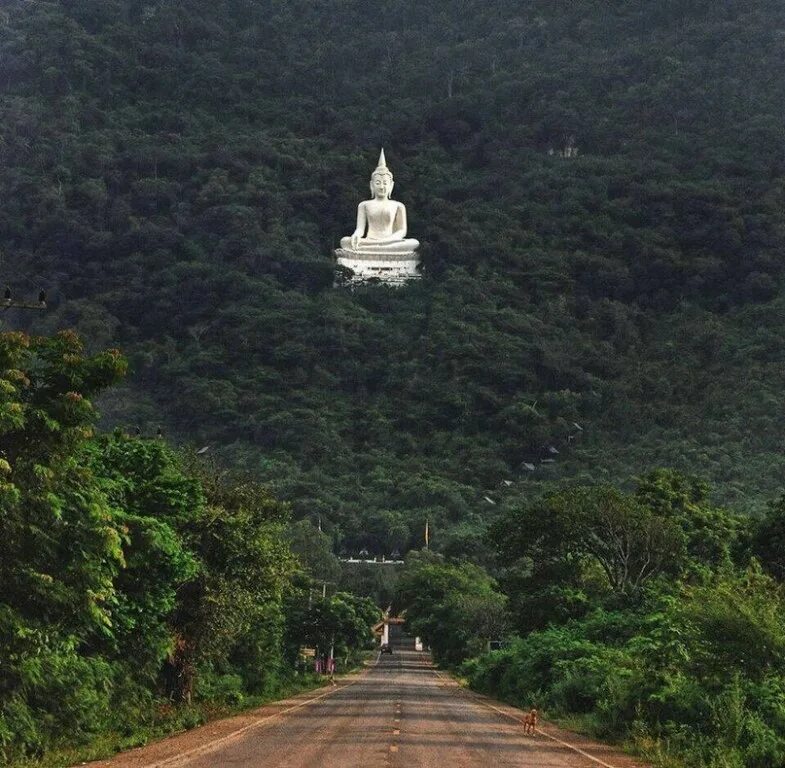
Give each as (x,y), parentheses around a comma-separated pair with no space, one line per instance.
(664,686)
(20,731)
(763,746)
(222,688)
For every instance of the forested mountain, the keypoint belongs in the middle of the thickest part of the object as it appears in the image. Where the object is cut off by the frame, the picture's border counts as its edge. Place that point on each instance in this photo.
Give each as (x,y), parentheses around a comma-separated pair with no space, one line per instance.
(176,173)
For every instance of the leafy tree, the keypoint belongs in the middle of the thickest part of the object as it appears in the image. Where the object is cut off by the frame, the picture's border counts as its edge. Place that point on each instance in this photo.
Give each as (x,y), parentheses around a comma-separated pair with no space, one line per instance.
(582,542)
(456,609)
(60,547)
(341,622)
(231,612)
(314,551)
(153,501)
(713,536)
(126,570)
(734,624)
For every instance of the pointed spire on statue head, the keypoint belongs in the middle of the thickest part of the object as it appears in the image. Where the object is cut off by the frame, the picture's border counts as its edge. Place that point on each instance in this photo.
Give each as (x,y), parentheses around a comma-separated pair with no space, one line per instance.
(382,166)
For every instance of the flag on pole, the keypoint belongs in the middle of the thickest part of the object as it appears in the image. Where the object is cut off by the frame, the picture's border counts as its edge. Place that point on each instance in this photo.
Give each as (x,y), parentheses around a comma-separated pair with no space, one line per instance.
(426,534)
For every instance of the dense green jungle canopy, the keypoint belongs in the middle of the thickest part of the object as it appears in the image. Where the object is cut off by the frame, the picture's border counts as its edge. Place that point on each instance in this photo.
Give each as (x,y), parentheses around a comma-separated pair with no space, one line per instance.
(176,173)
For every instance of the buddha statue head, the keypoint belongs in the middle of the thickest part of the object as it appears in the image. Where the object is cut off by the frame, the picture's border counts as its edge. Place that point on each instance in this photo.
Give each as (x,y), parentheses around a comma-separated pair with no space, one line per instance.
(382,180)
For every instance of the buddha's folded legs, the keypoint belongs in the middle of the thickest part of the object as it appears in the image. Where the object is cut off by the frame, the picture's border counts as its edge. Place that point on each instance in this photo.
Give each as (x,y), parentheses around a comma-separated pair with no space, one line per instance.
(374,246)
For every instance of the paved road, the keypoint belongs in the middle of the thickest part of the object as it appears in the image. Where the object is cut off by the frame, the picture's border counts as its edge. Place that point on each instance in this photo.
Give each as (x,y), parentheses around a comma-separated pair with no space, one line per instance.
(399,713)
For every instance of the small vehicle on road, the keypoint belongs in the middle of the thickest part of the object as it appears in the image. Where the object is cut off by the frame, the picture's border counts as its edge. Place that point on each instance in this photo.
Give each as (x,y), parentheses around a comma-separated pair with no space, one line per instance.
(385,648)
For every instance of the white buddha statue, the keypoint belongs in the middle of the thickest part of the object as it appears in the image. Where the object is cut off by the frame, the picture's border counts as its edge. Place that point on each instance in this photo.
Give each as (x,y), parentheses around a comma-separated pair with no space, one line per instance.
(381,223)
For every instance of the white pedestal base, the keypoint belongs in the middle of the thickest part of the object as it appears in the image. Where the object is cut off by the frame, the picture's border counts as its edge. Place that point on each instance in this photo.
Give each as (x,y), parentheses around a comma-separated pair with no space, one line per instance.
(392,269)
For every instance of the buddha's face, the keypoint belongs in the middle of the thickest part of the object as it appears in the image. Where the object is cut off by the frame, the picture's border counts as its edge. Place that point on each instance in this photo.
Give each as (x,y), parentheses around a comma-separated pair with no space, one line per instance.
(381,185)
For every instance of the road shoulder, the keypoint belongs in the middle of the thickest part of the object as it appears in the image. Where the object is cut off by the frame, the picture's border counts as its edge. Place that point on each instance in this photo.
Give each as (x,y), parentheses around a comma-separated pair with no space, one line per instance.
(209,735)
(595,752)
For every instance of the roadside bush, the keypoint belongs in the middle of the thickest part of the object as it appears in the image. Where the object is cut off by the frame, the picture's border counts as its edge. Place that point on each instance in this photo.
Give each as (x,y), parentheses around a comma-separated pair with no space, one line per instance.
(225,688)
(556,667)
(702,680)
(674,697)
(583,682)
(19,729)
(59,692)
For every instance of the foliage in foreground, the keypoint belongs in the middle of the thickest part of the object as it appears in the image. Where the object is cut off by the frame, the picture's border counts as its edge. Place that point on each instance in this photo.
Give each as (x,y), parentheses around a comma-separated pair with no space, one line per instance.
(129,578)
(687,664)
(697,672)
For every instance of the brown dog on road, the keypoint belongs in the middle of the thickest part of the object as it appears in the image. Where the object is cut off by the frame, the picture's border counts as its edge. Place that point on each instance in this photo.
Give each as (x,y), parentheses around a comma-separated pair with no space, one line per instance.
(530,722)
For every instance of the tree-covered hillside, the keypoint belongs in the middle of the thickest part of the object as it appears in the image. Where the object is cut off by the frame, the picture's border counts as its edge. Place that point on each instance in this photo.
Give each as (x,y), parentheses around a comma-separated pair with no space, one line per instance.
(176,173)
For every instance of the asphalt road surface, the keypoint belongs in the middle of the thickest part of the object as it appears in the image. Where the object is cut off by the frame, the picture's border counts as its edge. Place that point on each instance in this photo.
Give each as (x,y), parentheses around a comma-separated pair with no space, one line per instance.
(401,712)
